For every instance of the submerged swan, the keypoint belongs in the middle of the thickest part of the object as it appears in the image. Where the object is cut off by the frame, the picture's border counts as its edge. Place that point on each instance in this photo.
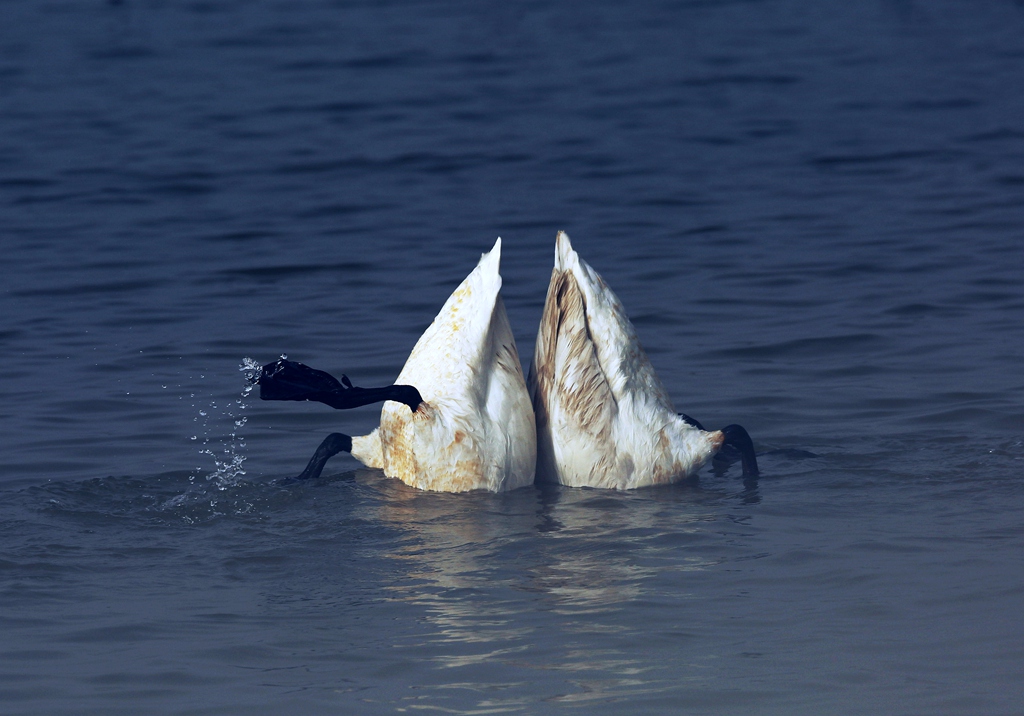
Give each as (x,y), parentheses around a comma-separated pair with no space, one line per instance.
(603,416)
(459,417)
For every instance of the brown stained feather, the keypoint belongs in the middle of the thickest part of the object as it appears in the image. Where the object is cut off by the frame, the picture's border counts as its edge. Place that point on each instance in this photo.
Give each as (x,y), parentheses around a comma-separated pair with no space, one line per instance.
(454,467)
(455,460)
(507,357)
(580,371)
(543,361)
(368,450)
(571,396)
(580,380)
(573,405)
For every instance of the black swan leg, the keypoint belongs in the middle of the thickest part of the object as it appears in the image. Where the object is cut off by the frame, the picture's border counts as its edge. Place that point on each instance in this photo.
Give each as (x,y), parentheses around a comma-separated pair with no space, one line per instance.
(288,380)
(331,446)
(736,436)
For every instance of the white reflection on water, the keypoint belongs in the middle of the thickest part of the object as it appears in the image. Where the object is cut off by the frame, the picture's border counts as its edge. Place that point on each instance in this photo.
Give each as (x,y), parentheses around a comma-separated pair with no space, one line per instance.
(521,583)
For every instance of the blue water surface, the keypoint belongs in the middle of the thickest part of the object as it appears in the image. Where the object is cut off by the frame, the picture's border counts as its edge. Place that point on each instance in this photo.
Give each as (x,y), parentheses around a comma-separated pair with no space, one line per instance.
(813,212)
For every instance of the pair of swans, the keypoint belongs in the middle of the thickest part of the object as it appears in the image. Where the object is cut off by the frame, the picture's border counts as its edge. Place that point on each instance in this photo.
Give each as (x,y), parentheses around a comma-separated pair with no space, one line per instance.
(461,416)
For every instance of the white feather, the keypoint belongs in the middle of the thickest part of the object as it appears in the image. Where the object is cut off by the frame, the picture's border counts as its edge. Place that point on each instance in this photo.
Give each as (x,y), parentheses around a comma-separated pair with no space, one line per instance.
(603,417)
(475,428)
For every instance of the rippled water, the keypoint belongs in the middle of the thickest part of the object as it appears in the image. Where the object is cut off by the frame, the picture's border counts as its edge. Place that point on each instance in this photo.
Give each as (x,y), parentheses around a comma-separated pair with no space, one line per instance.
(814,213)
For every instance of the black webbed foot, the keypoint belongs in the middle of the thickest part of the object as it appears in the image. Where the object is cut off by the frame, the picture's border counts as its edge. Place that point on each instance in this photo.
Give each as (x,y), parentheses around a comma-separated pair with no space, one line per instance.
(289,380)
(737,441)
(737,437)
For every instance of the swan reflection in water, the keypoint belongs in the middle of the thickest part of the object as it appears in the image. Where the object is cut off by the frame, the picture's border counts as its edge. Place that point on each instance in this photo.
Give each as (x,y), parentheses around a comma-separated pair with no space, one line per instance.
(522,578)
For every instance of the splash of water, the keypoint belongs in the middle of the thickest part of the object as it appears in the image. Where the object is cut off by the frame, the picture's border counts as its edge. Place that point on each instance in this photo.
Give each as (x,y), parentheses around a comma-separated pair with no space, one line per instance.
(251,369)
(227,452)
(228,460)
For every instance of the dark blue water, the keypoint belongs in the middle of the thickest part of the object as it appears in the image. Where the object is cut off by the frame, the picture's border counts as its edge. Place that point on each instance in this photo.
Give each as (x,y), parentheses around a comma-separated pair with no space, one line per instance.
(813,211)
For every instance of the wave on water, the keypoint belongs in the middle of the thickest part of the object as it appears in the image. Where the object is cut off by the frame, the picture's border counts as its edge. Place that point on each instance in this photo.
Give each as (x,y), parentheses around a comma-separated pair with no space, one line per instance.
(165,499)
(189,496)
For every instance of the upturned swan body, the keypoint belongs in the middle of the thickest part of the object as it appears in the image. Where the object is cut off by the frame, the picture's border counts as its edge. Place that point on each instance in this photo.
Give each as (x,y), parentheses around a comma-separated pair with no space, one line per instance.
(470,424)
(603,416)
